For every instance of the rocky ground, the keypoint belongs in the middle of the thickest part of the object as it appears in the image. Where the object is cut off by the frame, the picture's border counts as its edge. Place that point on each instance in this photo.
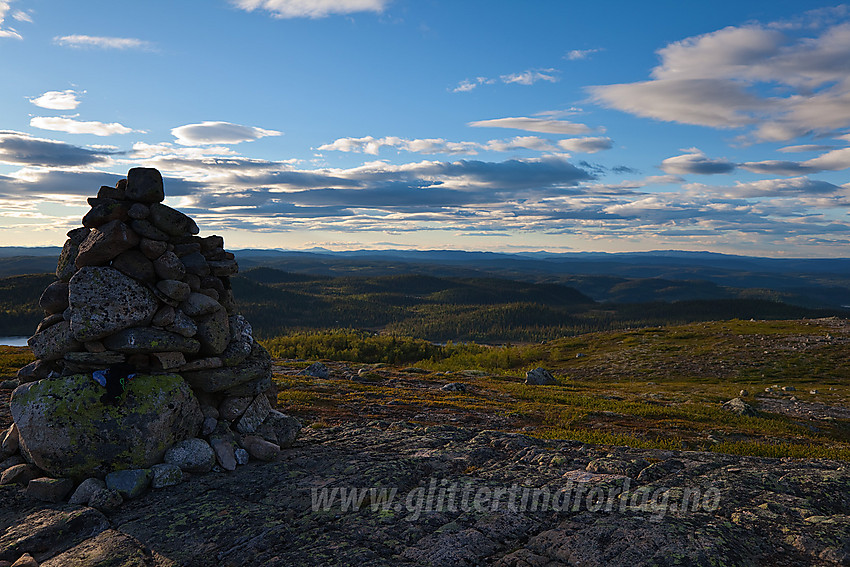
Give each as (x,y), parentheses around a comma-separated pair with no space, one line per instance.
(749,511)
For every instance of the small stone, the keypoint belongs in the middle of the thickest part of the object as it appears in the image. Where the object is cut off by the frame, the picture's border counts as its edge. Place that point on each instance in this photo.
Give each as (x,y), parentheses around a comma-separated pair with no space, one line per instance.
(152,249)
(86,490)
(164,316)
(10,440)
(285,427)
(183,325)
(20,474)
(259,448)
(25,560)
(540,377)
(454,387)
(129,483)
(193,281)
(813,391)
(740,407)
(49,321)
(138,211)
(105,243)
(35,371)
(233,407)
(316,370)
(94,346)
(209,293)
(223,268)
(171,221)
(106,500)
(49,489)
(213,332)
(789,389)
(165,474)
(241,455)
(191,455)
(163,361)
(187,248)
(54,342)
(175,289)
(210,411)
(104,211)
(54,299)
(743,394)
(136,265)
(202,364)
(144,184)
(169,267)
(198,304)
(224,453)
(116,193)
(12,461)
(145,229)
(147,340)
(209,425)
(196,264)
(66,266)
(254,415)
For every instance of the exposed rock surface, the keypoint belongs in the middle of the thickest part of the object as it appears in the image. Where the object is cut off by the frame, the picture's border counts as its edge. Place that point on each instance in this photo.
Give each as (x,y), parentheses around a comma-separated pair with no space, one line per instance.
(749,511)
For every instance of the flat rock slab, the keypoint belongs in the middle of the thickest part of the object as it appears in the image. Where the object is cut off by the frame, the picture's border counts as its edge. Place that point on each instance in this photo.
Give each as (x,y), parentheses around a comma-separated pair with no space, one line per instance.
(110,548)
(47,531)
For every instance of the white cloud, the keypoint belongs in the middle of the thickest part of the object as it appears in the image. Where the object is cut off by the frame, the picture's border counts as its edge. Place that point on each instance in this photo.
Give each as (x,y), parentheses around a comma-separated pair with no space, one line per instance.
(533,125)
(586,145)
(5,31)
(311,8)
(780,187)
(729,79)
(57,100)
(372,145)
(467,85)
(72,126)
(805,148)
(577,54)
(835,160)
(81,41)
(696,162)
(531,76)
(218,133)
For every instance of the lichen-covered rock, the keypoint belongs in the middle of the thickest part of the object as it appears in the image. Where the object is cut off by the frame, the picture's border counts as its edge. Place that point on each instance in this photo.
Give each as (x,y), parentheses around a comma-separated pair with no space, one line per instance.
(284,427)
(86,490)
(255,367)
(49,489)
(169,267)
(740,407)
(54,342)
(129,483)
(147,340)
(103,301)
(198,304)
(105,243)
(66,430)
(213,332)
(165,474)
(540,377)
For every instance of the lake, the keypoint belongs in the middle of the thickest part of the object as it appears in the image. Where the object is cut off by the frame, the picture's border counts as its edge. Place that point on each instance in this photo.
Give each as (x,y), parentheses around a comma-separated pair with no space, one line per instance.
(13,341)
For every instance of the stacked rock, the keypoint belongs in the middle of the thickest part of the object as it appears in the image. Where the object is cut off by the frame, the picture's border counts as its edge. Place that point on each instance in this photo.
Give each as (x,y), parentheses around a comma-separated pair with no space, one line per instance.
(138,289)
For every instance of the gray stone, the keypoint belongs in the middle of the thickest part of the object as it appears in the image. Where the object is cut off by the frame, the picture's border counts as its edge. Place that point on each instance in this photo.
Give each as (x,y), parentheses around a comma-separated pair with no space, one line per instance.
(136,265)
(49,489)
(224,450)
(213,332)
(66,266)
(316,370)
(164,316)
(129,483)
(104,211)
(54,299)
(252,388)
(540,377)
(35,371)
(20,474)
(241,455)
(165,474)
(198,304)
(138,211)
(162,361)
(171,221)
(223,268)
(48,321)
(233,407)
(155,412)
(94,346)
(740,407)
(103,301)
(259,448)
(202,364)
(147,340)
(210,423)
(100,359)
(183,325)
(86,490)
(12,461)
(54,342)
(144,184)
(187,248)
(117,193)
(169,267)
(256,367)
(454,387)
(175,289)
(284,427)
(106,500)
(152,249)
(146,230)
(9,440)
(191,455)
(105,243)
(196,264)
(254,415)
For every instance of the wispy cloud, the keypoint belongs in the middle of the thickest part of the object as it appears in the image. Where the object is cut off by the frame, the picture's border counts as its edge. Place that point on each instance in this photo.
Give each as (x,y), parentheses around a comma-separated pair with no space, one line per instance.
(57,100)
(546,125)
(101,42)
(577,54)
(219,133)
(586,145)
(23,149)
(527,77)
(726,79)
(311,8)
(5,31)
(697,162)
(60,124)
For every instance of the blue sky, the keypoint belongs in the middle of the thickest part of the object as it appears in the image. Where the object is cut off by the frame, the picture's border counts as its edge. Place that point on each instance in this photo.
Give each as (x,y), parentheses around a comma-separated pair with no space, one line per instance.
(476,125)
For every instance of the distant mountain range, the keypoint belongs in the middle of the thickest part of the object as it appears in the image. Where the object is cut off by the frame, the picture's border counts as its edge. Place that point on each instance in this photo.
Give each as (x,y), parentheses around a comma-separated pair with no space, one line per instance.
(666,275)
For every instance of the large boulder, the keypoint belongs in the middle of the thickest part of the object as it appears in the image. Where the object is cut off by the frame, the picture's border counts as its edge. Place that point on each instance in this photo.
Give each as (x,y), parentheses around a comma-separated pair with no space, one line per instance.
(66,430)
(104,301)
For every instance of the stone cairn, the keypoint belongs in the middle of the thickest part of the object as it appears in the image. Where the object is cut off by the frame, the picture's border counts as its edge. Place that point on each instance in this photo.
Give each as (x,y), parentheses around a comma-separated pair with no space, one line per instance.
(138,289)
